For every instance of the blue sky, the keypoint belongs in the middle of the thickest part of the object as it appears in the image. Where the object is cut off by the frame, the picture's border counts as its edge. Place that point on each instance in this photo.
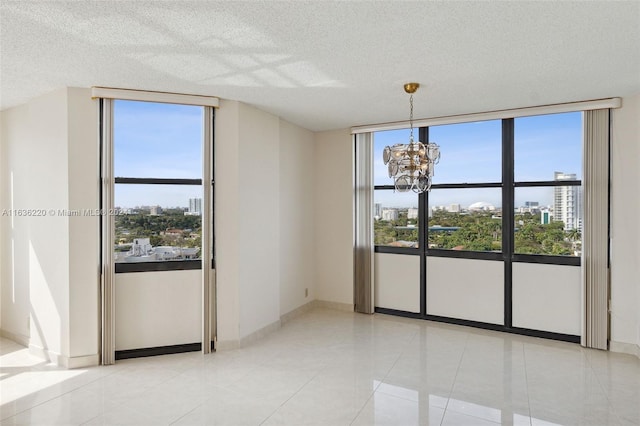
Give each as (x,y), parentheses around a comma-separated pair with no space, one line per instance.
(471,153)
(164,140)
(158,141)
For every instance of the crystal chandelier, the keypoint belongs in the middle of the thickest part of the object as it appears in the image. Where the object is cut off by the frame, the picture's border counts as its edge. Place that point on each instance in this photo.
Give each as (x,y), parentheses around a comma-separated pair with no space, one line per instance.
(411,165)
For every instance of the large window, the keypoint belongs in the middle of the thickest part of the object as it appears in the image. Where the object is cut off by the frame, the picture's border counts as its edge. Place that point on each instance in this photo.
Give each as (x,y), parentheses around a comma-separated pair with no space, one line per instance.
(396,215)
(465,204)
(503,187)
(547,180)
(157,151)
(465,219)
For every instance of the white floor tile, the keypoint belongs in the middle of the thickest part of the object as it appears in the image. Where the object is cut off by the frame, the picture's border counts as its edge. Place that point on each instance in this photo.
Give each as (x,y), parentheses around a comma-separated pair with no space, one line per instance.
(336,368)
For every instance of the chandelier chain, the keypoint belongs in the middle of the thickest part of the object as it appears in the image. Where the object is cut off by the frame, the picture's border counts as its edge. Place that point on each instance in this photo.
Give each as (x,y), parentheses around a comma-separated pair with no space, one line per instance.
(411,116)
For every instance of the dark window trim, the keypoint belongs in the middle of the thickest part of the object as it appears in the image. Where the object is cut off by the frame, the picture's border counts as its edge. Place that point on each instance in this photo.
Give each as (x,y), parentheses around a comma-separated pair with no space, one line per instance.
(464,254)
(508,220)
(415,251)
(547,259)
(466,185)
(160,350)
(482,325)
(157,181)
(451,185)
(168,265)
(548,183)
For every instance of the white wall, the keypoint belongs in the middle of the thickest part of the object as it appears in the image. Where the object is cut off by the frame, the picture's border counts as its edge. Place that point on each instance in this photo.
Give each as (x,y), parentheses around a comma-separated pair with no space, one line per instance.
(334,216)
(397,282)
(259,181)
(466,288)
(227,225)
(158,309)
(264,219)
(297,217)
(547,297)
(625,226)
(49,261)
(84,231)
(35,261)
(3,190)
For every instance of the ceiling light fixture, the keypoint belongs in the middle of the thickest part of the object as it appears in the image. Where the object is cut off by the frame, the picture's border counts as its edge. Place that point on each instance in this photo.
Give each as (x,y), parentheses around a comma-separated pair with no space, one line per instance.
(411,165)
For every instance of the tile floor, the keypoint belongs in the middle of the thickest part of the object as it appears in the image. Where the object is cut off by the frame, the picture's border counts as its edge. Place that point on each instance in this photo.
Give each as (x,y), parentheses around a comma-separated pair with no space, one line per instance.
(335,368)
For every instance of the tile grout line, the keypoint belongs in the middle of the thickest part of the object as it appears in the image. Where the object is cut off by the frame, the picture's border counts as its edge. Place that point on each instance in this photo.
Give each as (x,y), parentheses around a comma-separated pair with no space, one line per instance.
(383,379)
(526,382)
(466,342)
(57,396)
(606,394)
(326,367)
(289,399)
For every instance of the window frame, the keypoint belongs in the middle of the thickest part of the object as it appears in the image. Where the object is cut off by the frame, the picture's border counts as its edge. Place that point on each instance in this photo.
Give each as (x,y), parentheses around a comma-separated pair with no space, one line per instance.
(165,265)
(507,186)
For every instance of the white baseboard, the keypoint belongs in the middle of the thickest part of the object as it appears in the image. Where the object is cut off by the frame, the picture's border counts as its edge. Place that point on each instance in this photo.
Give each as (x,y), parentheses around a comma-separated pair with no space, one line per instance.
(297,312)
(18,338)
(337,306)
(624,348)
(63,360)
(259,334)
(82,361)
(225,345)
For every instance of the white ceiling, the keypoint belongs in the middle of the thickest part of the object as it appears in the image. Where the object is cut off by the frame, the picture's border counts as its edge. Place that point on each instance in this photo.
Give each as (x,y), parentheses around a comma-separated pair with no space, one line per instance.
(327,65)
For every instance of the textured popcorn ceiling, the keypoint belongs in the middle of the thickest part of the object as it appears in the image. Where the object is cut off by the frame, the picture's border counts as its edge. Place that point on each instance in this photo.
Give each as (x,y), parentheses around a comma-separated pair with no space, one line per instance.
(326,65)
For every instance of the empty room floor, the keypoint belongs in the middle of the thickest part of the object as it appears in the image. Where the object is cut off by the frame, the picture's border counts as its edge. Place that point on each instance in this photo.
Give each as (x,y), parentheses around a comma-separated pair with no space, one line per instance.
(330,367)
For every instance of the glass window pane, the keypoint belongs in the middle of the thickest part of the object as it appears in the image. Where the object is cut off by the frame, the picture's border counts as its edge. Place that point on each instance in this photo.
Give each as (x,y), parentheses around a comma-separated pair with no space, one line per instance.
(395,219)
(380,141)
(154,140)
(548,220)
(546,145)
(465,219)
(470,152)
(157,222)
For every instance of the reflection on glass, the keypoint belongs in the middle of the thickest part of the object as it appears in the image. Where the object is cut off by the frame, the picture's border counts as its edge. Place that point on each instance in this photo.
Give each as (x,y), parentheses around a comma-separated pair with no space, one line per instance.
(545,144)
(147,231)
(548,220)
(465,219)
(395,219)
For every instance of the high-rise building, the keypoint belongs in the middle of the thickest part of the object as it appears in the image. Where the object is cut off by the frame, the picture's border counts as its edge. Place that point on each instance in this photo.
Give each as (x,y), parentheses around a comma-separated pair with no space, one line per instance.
(377,209)
(390,214)
(545,217)
(412,213)
(567,202)
(155,210)
(195,206)
(454,208)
